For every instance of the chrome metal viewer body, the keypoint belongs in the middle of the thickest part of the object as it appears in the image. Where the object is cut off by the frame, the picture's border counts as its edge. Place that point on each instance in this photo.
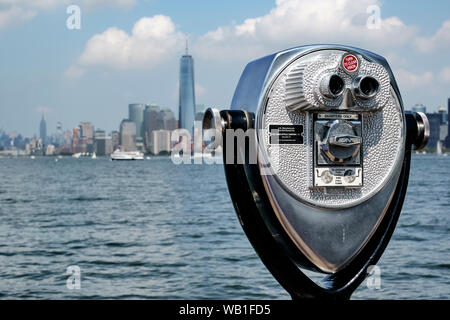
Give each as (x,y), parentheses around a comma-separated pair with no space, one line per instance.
(333,145)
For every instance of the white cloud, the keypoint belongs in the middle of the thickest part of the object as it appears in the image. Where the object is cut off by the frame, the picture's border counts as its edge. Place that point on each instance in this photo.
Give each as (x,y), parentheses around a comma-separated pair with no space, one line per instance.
(15,12)
(30,4)
(152,40)
(297,22)
(49,4)
(74,72)
(440,40)
(94,4)
(14,16)
(444,75)
(410,81)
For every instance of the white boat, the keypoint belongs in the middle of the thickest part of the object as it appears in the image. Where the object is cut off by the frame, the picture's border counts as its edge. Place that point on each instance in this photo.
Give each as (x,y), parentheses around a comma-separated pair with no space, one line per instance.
(76,155)
(94,156)
(127,155)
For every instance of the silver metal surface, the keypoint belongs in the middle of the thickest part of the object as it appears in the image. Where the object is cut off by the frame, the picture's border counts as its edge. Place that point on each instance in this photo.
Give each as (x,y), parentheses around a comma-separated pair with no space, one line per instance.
(306,84)
(382,135)
(358,90)
(331,86)
(329,225)
(423,129)
(213,120)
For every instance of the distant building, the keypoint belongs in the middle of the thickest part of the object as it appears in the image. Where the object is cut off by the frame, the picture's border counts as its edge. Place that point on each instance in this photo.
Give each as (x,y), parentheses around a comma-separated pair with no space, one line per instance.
(419,108)
(87,130)
(199,111)
(444,115)
(50,150)
(443,131)
(87,136)
(447,140)
(136,114)
(200,108)
(103,145)
(161,142)
(75,139)
(99,134)
(156,119)
(59,136)
(43,130)
(34,147)
(115,140)
(187,93)
(150,124)
(166,120)
(82,146)
(127,135)
(435,128)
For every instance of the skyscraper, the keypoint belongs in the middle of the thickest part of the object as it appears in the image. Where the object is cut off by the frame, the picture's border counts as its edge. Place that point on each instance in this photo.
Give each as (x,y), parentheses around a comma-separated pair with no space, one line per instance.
(187,93)
(443,112)
(435,128)
(43,130)
(115,140)
(103,144)
(87,136)
(419,108)
(150,123)
(136,114)
(127,135)
(166,120)
(87,131)
(447,140)
(59,137)
(161,141)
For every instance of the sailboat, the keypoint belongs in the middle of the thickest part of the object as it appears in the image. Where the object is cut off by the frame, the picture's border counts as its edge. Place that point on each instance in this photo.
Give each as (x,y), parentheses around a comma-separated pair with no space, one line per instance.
(94,156)
(439,148)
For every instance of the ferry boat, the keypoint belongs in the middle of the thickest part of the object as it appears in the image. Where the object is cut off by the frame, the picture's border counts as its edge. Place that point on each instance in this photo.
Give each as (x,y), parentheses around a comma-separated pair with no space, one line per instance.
(127,155)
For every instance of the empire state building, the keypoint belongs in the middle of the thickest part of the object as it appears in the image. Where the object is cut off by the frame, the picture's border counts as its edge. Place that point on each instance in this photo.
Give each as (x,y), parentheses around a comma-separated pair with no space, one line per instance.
(43,130)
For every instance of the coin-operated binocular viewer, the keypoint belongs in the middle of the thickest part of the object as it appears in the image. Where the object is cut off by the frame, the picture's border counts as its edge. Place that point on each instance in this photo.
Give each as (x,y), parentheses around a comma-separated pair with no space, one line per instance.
(317,150)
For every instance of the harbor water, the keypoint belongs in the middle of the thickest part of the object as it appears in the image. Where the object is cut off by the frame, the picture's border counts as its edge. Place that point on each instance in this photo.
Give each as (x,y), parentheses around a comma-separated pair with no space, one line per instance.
(155,230)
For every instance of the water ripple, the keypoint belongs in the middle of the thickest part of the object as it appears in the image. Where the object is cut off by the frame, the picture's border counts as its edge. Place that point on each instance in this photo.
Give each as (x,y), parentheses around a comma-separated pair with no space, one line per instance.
(151,230)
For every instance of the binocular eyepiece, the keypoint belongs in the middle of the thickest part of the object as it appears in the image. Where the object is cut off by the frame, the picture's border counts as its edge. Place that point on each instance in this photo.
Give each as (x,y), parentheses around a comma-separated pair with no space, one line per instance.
(363,86)
(317,150)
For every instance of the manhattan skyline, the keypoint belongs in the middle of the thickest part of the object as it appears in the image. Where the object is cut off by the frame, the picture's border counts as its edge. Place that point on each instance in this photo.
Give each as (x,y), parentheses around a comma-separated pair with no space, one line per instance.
(67,75)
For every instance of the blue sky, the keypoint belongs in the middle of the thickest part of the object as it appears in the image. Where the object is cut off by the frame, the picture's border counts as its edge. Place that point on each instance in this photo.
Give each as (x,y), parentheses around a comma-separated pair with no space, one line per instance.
(93,73)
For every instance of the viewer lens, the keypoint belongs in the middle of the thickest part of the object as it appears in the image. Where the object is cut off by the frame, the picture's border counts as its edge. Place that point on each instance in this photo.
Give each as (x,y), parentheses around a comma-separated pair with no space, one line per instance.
(336,84)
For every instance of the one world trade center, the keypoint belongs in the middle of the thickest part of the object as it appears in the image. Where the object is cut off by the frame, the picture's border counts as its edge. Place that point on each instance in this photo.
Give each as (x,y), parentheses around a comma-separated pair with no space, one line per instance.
(187,93)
